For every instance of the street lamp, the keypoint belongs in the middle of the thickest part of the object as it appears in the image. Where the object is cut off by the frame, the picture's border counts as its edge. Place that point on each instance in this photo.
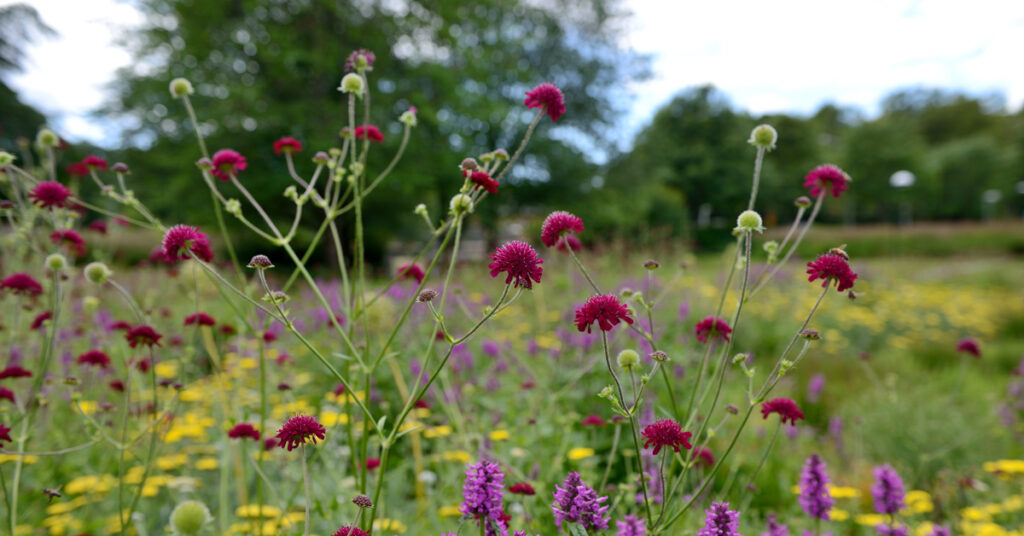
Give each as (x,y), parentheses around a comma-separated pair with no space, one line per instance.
(900,180)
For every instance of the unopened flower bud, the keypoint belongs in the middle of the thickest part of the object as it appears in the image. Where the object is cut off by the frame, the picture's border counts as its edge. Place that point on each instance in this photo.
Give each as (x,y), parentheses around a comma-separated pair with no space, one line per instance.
(501,155)
(352,83)
(260,262)
(461,204)
(784,366)
(120,167)
(97,272)
(56,262)
(408,117)
(427,295)
(763,136)
(606,392)
(6,158)
(180,87)
(47,138)
(810,334)
(421,210)
(739,358)
(90,304)
(233,207)
(291,193)
(277,297)
(321,158)
(334,151)
(469,164)
(749,221)
(659,356)
(732,409)
(803,201)
(651,264)
(771,247)
(627,359)
(626,293)
(204,163)
(189,517)
(362,501)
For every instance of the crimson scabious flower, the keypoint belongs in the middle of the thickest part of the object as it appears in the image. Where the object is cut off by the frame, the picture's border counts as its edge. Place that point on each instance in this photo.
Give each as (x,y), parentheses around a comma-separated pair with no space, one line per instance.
(201,319)
(605,309)
(243,430)
(520,261)
(117,385)
(712,328)
(831,267)
(576,502)
(970,346)
(95,162)
(411,271)
(666,433)
(558,224)
(14,371)
(21,283)
(227,162)
(814,498)
(5,434)
(522,488)
(568,242)
(71,239)
(49,194)
(7,393)
(825,177)
(350,531)
(593,420)
(181,239)
(77,169)
(37,322)
(94,358)
(547,97)
(369,132)
(482,493)
(887,490)
(372,463)
(482,180)
(704,457)
(631,526)
(99,226)
(288,145)
(142,335)
(720,521)
(786,408)
(299,429)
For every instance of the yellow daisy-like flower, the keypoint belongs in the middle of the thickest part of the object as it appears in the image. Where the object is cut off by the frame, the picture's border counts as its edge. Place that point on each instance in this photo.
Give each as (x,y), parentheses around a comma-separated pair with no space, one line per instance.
(580,453)
(253,510)
(500,435)
(460,456)
(449,511)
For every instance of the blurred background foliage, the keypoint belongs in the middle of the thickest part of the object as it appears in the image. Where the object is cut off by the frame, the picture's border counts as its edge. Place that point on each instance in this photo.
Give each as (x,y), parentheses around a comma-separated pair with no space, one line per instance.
(264,69)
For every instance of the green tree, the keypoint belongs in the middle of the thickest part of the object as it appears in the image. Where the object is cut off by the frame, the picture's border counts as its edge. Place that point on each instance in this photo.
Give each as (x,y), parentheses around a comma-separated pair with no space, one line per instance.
(19,25)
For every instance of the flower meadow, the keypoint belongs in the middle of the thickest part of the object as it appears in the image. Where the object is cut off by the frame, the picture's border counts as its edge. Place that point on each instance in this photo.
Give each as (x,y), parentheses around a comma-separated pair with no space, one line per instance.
(551,389)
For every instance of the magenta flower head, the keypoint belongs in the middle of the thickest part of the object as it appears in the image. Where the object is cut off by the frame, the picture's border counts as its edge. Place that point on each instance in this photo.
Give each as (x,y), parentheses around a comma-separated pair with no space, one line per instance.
(21,283)
(576,502)
(559,224)
(287,145)
(299,429)
(7,394)
(826,177)
(520,261)
(814,496)
(142,335)
(712,328)
(482,180)
(831,267)
(359,59)
(70,238)
(5,434)
(369,132)
(547,97)
(482,494)
(969,345)
(95,162)
(14,371)
(350,531)
(720,521)
(227,162)
(606,310)
(181,239)
(411,271)
(630,526)
(786,408)
(666,433)
(50,194)
(243,430)
(200,319)
(887,491)
(94,358)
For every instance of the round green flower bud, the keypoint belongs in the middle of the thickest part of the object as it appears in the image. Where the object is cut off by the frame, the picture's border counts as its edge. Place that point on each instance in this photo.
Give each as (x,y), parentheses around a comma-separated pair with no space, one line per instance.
(189,517)
(6,158)
(802,202)
(421,210)
(97,272)
(763,136)
(408,117)
(90,303)
(771,247)
(461,204)
(749,221)
(56,262)
(628,359)
(352,83)
(181,87)
(47,138)
(233,206)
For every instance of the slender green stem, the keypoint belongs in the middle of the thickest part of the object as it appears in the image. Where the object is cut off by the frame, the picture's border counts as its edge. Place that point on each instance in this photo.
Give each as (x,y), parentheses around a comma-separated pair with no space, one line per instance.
(796,243)
(305,484)
(758,161)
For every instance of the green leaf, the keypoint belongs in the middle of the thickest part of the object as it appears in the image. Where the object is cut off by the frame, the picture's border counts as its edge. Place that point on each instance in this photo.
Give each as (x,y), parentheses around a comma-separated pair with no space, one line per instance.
(577,530)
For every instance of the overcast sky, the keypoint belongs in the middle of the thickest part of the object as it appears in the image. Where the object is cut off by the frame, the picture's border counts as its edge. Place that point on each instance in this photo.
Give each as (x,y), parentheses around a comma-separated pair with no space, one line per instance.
(768,56)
